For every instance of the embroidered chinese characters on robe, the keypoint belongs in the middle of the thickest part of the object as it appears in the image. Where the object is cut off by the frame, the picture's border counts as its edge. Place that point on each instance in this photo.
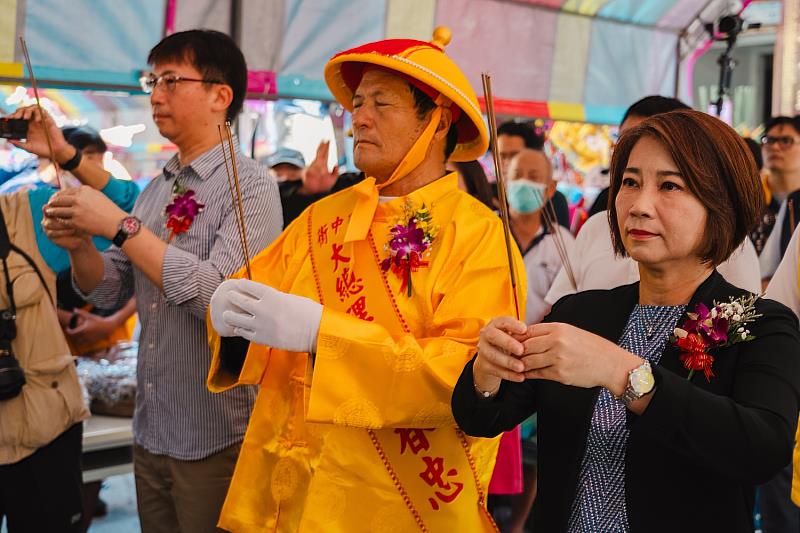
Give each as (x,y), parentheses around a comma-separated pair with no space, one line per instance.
(361,437)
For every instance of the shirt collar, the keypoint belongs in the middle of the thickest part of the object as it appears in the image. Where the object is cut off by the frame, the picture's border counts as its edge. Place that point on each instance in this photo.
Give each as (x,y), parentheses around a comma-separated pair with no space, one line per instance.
(206,163)
(428,195)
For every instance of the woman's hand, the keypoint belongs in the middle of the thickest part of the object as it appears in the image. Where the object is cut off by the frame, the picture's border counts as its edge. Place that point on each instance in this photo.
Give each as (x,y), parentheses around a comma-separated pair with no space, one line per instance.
(85,210)
(499,349)
(572,356)
(36,143)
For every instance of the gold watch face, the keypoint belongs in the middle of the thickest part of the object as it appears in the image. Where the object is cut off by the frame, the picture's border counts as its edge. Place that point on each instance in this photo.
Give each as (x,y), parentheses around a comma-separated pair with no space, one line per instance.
(642,380)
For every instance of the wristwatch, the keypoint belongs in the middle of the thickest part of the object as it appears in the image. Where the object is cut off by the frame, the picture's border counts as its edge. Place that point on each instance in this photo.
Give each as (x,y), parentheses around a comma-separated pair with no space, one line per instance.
(640,383)
(128,227)
(73,163)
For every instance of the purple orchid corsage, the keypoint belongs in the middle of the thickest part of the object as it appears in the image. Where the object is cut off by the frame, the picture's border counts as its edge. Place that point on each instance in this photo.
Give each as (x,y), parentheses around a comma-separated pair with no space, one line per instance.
(409,244)
(181,211)
(705,329)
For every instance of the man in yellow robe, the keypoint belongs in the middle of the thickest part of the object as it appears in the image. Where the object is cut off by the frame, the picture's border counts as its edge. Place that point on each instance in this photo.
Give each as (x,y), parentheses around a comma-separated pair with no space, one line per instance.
(360,317)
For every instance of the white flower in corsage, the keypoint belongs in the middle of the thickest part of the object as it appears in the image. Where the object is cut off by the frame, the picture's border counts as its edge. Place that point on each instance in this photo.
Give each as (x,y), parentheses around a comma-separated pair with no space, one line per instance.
(723,325)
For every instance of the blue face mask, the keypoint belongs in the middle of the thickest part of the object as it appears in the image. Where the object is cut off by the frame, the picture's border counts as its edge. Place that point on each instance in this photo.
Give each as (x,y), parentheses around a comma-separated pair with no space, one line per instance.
(526,196)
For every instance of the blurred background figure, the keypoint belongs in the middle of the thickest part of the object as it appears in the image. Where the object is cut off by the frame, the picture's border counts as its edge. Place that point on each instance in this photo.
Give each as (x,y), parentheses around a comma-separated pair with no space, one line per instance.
(286,165)
(472,179)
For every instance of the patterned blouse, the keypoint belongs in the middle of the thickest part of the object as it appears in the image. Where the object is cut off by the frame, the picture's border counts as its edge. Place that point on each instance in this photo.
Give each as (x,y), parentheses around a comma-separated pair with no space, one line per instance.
(600,498)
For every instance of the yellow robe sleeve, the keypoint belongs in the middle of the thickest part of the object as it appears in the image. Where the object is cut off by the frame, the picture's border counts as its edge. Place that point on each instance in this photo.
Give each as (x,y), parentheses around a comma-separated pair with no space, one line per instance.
(366,377)
(276,266)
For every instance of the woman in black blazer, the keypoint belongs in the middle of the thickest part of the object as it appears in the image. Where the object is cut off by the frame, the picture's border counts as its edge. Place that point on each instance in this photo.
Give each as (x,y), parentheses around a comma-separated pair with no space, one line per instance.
(629,440)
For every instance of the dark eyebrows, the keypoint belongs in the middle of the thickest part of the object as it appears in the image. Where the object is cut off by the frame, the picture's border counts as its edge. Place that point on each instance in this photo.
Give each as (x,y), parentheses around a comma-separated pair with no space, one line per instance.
(660,173)
(669,174)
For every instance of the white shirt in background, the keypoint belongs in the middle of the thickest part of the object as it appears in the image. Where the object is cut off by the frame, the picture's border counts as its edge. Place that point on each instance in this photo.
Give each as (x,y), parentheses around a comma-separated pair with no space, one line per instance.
(597,267)
(771,254)
(783,285)
(542,264)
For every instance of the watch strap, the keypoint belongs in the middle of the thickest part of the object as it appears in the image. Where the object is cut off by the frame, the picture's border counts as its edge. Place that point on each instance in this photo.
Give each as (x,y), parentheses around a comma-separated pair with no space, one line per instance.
(119,238)
(73,163)
(630,394)
(128,227)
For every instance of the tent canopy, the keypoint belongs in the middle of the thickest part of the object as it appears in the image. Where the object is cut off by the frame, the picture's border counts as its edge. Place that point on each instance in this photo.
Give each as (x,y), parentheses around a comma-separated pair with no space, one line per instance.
(583,60)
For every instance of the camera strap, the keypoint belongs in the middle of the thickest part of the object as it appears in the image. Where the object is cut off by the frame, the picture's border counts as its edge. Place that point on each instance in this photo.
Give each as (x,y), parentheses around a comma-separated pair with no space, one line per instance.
(6,247)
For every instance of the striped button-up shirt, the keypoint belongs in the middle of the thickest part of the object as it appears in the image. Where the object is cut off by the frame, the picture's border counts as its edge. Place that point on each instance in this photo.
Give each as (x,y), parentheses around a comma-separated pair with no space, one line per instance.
(175,413)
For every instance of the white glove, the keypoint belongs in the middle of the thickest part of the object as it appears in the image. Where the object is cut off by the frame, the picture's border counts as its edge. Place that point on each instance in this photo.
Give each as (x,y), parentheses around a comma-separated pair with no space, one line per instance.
(263,315)
(219,304)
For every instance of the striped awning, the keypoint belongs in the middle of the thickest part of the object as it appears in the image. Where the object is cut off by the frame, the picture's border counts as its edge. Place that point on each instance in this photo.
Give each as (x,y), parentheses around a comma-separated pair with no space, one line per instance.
(584,60)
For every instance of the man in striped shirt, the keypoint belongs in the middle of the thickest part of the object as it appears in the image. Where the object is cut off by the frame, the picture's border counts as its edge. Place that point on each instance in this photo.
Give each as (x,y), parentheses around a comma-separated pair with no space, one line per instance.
(187,439)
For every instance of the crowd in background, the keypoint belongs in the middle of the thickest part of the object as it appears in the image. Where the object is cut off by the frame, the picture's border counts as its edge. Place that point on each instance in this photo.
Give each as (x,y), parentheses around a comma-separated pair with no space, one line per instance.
(187,440)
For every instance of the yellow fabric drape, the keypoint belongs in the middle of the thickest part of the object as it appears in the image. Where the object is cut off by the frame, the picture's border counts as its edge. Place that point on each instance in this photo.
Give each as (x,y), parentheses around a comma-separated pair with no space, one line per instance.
(326,439)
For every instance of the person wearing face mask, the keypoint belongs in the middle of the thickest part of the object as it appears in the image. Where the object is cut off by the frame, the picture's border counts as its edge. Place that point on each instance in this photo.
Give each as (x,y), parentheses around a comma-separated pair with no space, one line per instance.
(512,138)
(530,186)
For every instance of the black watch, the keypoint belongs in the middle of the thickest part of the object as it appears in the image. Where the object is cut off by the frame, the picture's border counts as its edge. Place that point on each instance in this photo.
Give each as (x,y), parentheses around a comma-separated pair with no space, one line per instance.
(128,227)
(73,163)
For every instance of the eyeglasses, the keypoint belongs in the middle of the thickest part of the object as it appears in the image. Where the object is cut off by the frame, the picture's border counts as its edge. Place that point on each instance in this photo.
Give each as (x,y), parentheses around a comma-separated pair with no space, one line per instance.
(169,81)
(784,141)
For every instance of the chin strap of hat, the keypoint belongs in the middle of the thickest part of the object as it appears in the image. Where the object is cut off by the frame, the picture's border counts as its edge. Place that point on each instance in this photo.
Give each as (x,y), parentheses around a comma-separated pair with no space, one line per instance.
(369,190)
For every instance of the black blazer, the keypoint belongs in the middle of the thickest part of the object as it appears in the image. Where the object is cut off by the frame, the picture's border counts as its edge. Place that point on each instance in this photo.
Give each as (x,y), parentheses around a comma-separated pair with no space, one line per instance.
(697,452)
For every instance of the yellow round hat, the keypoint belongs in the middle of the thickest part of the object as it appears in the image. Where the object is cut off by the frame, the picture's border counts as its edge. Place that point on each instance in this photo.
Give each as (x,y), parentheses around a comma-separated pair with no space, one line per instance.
(426,66)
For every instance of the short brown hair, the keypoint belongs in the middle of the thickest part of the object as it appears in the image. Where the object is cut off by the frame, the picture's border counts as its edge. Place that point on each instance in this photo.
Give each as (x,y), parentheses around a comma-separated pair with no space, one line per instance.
(717,167)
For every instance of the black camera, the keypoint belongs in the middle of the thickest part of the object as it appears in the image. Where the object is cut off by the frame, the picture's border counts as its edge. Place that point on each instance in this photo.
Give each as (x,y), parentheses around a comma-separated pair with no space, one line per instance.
(13,128)
(12,377)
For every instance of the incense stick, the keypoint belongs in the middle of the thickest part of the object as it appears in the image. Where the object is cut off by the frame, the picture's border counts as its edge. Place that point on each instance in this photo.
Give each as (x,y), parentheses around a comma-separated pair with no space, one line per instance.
(42,115)
(233,194)
(501,187)
(551,220)
(237,205)
(560,243)
(238,191)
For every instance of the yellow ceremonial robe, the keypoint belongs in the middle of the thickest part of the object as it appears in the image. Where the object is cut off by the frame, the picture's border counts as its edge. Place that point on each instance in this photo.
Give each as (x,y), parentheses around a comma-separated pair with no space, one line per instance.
(361,437)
